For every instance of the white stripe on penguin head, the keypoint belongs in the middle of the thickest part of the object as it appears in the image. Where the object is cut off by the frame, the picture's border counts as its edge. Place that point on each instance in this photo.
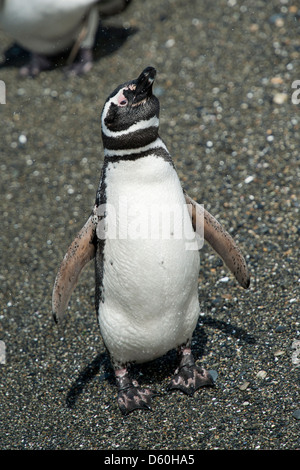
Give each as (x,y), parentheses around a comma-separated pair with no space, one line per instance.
(117,100)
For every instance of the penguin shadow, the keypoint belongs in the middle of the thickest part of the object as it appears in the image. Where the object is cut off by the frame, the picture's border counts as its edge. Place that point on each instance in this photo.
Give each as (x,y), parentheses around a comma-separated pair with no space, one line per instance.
(228,329)
(101,362)
(147,374)
(108,39)
(150,374)
(157,372)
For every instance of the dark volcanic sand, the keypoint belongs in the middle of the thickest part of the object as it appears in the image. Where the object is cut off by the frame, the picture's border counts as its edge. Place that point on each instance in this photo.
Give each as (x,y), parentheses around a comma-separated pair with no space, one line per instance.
(225,75)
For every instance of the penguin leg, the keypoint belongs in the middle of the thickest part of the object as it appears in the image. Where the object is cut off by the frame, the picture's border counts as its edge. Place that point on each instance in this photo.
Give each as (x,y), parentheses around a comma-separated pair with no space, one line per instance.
(188,377)
(83,63)
(130,395)
(37,64)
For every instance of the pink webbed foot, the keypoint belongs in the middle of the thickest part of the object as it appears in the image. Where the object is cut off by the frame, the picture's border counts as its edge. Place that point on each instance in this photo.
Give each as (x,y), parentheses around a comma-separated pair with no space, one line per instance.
(188,377)
(131,396)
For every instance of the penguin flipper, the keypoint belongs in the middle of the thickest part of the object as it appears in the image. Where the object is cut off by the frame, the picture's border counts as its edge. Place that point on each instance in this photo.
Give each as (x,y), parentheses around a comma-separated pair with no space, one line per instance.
(220,241)
(80,252)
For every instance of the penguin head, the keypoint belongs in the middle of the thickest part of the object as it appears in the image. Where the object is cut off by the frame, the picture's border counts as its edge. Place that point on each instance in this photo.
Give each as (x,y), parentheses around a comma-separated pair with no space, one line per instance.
(130,116)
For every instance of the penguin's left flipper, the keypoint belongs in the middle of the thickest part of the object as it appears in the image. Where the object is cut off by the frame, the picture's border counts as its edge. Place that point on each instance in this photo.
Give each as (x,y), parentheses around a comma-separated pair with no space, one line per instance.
(220,241)
(80,252)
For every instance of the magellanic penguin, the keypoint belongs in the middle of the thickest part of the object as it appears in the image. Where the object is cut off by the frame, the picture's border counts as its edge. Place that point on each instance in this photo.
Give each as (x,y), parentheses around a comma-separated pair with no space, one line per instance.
(146,268)
(47,28)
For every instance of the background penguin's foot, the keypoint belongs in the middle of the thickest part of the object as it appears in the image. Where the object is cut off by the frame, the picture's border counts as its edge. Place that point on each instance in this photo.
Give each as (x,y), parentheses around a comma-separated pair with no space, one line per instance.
(131,396)
(189,377)
(82,64)
(37,64)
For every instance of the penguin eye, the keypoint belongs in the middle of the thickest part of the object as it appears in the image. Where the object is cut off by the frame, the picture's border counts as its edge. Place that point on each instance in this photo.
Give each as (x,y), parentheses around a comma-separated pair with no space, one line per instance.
(124,102)
(122,99)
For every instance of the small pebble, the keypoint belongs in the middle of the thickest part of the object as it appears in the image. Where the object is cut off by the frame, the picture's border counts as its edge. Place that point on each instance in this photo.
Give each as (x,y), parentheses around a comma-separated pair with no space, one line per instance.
(296,414)
(213,374)
(276,80)
(21,91)
(262,374)
(2,352)
(278,353)
(280,98)
(22,139)
(224,279)
(249,179)
(170,43)
(244,386)
(280,328)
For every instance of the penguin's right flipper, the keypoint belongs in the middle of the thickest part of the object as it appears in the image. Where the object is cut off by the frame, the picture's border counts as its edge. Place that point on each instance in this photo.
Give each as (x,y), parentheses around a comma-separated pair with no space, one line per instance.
(80,252)
(220,241)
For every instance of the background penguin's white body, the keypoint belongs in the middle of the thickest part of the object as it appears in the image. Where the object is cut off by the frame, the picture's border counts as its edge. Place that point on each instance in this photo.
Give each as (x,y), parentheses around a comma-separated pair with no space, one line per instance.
(150,301)
(51,30)
(45,26)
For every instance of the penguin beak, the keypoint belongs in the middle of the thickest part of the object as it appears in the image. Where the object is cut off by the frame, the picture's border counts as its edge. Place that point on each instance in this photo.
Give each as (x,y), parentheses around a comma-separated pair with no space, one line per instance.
(144,83)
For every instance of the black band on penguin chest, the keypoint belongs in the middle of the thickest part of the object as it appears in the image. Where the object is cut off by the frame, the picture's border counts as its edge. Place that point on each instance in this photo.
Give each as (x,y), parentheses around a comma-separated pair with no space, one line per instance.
(132,140)
(158,152)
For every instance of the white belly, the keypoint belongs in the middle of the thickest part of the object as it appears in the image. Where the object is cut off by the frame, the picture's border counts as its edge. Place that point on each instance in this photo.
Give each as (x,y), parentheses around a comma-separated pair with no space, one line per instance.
(43,26)
(150,277)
